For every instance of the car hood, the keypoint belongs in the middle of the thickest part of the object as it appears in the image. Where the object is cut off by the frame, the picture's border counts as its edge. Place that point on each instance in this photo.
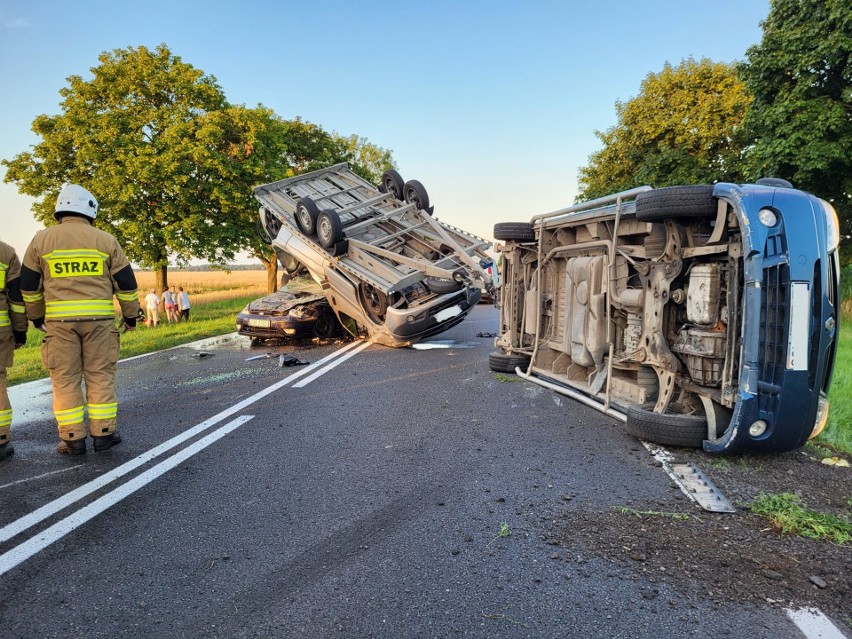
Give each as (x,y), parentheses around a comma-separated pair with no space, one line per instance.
(282,301)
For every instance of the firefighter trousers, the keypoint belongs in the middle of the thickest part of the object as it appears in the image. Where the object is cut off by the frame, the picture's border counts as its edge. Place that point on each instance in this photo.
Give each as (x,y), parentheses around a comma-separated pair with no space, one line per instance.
(7,354)
(73,352)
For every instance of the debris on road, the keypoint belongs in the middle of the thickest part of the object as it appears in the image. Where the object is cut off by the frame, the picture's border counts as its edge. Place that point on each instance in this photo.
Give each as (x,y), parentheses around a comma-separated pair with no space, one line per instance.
(290,360)
(486,334)
(264,356)
(203,354)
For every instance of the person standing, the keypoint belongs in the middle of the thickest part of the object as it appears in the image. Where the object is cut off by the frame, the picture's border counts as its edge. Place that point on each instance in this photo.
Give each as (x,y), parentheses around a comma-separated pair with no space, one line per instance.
(152,309)
(183,303)
(69,276)
(169,305)
(13,334)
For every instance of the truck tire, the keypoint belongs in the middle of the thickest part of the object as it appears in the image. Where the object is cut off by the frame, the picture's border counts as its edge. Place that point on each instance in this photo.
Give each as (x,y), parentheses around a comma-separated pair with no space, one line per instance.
(676,202)
(392,182)
(307,213)
(500,362)
(374,302)
(415,193)
(329,229)
(514,231)
(686,431)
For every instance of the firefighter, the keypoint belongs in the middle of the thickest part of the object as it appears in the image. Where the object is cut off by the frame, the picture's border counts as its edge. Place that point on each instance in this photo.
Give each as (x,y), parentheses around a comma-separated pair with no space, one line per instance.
(69,275)
(13,334)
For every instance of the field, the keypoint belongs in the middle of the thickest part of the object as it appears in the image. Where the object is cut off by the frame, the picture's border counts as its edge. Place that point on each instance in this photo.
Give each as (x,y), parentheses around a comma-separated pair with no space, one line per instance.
(215,296)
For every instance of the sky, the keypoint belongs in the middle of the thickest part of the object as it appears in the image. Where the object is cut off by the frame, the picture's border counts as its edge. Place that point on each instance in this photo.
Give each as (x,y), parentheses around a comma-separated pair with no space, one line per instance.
(492,105)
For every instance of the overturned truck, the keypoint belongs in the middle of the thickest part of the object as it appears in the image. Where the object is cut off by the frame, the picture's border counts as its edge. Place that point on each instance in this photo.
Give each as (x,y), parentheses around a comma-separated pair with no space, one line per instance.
(699,315)
(389,269)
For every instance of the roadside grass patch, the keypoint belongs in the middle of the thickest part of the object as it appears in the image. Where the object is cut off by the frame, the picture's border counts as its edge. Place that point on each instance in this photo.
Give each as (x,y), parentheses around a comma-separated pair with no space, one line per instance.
(789,516)
(838,431)
(504,378)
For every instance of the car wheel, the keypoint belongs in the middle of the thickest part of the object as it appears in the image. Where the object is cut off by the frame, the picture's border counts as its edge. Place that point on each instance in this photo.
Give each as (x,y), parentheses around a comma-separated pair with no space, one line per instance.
(306,215)
(687,431)
(329,229)
(505,363)
(392,183)
(441,286)
(514,231)
(415,193)
(676,202)
(326,325)
(375,302)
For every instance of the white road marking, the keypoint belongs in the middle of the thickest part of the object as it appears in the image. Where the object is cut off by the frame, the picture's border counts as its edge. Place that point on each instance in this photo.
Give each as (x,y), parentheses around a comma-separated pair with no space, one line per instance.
(52,472)
(57,531)
(51,508)
(814,624)
(335,363)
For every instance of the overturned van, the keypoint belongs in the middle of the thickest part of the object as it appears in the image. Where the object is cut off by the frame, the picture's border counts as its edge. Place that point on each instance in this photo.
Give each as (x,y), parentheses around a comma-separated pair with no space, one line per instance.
(389,269)
(699,315)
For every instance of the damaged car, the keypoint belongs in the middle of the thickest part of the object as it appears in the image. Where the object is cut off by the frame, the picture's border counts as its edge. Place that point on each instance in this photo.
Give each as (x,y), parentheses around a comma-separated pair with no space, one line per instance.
(701,315)
(390,270)
(288,315)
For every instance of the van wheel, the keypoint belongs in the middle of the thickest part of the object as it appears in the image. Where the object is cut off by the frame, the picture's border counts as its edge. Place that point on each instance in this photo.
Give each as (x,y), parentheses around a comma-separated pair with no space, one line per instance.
(329,229)
(687,431)
(505,363)
(676,202)
(441,285)
(306,215)
(514,231)
(392,182)
(375,302)
(415,193)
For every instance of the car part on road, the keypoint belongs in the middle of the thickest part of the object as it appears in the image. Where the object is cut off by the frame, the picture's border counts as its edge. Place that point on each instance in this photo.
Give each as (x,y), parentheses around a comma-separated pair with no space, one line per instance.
(507,363)
(702,315)
(290,360)
(388,268)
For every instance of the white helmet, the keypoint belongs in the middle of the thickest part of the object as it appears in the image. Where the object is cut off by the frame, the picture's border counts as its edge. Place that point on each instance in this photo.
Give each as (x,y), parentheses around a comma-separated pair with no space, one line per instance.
(73,198)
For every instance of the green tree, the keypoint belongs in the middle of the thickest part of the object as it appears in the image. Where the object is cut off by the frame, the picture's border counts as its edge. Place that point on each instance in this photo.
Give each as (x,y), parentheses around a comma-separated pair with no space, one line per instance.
(684,127)
(155,140)
(801,119)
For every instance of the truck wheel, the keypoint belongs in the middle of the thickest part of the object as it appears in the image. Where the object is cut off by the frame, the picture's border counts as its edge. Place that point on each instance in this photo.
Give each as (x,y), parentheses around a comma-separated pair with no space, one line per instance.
(514,231)
(676,201)
(329,229)
(392,183)
(306,215)
(505,363)
(687,431)
(375,302)
(415,193)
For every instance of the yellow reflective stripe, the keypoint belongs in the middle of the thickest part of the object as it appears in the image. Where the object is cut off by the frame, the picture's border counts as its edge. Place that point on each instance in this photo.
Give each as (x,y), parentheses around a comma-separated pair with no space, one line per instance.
(33,298)
(5,418)
(103,411)
(17,308)
(4,318)
(127,296)
(3,268)
(69,416)
(79,308)
(70,253)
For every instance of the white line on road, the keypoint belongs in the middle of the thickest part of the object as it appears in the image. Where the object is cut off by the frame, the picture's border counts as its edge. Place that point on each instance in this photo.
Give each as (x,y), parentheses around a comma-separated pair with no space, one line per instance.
(335,363)
(814,624)
(52,472)
(57,531)
(51,508)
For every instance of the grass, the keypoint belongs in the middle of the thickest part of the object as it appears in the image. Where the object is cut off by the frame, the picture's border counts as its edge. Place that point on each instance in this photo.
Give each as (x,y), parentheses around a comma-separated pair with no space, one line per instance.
(216,298)
(624,510)
(788,514)
(838,431)
(503,378)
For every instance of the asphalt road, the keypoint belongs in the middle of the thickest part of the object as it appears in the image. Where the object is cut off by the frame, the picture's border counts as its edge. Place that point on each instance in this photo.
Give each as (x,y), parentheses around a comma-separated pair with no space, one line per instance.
(400,493)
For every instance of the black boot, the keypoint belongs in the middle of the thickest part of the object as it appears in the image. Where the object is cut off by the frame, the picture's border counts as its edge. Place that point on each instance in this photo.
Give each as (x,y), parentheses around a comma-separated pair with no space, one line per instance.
(6,450)
(106,442)
(76,447)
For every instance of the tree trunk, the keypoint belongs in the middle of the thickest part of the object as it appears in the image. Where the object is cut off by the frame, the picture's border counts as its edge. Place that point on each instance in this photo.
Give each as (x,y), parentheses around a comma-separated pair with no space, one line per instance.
(161,278)
(271,266)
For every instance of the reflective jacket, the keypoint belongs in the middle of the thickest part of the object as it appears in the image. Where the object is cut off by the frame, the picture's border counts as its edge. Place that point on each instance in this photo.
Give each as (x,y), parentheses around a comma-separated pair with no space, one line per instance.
(71,272)
(11,304)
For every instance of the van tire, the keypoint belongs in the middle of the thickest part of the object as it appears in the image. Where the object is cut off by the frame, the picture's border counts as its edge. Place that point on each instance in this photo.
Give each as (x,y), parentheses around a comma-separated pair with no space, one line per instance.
(676,202)
(392,182)
(686,431)
(500,362)
(329,229)
(415,193)
(441,286)
(514,231)
(307,213)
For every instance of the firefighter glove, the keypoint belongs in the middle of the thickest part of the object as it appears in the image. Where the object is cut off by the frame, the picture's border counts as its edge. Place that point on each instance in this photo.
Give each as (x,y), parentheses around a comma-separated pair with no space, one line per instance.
(130,323)
(20,338)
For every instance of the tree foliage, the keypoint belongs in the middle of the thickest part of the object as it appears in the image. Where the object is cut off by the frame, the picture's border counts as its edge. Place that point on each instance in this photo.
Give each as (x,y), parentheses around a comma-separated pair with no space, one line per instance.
(684,127)
(801,119)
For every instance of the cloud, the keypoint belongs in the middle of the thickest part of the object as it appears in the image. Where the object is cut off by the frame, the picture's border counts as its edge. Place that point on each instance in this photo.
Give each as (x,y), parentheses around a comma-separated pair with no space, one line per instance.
(15,23)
